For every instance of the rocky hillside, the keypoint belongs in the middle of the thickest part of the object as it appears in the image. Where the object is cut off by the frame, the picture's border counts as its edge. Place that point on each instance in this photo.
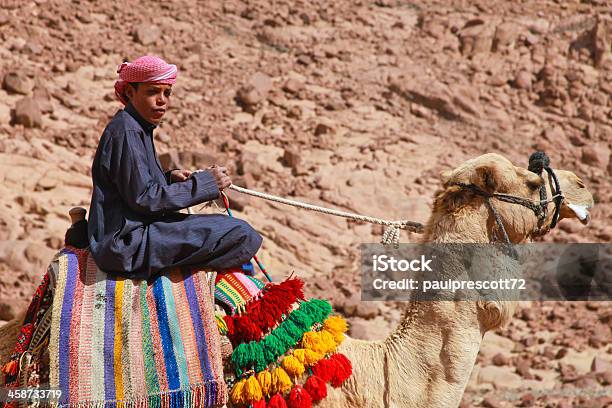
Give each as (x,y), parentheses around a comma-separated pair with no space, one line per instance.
(351,104)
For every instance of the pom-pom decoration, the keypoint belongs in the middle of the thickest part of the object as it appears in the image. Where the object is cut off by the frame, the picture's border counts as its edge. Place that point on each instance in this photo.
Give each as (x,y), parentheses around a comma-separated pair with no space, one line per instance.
(316,387)
(279,337)
(299,398)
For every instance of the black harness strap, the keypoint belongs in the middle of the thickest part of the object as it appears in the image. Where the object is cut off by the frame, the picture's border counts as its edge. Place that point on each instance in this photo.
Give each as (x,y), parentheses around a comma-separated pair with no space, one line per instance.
(538,162)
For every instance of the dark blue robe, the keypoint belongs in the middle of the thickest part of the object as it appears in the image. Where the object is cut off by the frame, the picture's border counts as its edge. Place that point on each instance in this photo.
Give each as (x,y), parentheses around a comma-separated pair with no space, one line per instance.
(134,228)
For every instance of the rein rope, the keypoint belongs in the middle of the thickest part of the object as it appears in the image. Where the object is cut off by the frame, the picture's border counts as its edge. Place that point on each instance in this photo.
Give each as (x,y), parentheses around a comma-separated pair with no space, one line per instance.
(392,230)
(538,162)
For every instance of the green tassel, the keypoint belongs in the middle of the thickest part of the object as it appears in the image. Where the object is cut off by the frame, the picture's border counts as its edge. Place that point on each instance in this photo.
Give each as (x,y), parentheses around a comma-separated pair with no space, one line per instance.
(258,358)
(268,352)
(241,358)
(258,355)
(293,331)
(276,345)
(324,306)
(301,319)
(284,337)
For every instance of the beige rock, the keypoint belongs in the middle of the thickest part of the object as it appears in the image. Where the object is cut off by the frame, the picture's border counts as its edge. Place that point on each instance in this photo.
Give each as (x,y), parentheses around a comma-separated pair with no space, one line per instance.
(293,86)
(591,156)
(476,37)
(27,113)
(600,365)
(43,98)
(372,329)
(255,91)
(493,344)
(147,33)
(16,82)
(499,377)
(505,35)
(523,80)
(602,39)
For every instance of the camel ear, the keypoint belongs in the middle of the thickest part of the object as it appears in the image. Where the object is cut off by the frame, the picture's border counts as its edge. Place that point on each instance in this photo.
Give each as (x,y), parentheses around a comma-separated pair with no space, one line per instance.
(445,177)
(486,177)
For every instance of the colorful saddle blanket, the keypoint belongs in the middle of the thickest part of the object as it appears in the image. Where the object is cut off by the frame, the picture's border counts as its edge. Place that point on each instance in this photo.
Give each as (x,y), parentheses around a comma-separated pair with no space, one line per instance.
(122,342)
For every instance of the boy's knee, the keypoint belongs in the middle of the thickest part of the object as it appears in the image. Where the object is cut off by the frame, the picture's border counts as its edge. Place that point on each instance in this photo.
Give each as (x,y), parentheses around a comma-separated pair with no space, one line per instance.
(251,240)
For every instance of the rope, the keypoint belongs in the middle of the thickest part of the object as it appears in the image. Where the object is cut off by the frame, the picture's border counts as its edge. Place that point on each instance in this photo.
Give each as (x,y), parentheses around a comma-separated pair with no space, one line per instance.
(390,236)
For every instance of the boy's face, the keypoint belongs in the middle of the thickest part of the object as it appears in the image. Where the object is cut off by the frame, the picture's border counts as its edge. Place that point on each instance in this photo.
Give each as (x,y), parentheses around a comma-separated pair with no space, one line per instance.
(150,100)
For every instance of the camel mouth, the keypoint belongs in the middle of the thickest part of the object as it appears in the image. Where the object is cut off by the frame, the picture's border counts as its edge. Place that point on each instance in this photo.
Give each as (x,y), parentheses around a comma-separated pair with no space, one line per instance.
(582,212)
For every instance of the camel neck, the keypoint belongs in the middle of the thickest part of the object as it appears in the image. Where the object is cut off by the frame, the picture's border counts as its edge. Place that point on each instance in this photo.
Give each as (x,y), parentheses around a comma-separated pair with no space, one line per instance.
(441,339)
(467,224)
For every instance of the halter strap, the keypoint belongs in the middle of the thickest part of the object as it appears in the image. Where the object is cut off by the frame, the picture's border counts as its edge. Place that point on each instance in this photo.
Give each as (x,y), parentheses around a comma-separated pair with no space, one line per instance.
(540,209)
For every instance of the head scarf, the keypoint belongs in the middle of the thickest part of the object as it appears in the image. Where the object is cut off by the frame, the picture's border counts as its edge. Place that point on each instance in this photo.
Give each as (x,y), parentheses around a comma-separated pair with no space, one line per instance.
(149,69)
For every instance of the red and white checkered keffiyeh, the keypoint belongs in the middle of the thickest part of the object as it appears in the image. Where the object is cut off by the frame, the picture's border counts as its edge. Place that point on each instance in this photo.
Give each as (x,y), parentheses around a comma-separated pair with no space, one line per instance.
(149,69)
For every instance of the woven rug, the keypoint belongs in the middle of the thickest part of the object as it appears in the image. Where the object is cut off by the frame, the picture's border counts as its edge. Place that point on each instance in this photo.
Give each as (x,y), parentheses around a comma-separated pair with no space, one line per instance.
(133,343)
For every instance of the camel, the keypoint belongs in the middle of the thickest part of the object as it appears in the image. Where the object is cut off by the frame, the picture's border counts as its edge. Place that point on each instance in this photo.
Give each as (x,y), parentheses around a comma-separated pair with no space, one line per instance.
(428,358)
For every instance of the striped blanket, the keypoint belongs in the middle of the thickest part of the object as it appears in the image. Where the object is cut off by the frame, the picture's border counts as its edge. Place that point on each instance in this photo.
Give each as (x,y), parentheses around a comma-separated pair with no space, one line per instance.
(131,343)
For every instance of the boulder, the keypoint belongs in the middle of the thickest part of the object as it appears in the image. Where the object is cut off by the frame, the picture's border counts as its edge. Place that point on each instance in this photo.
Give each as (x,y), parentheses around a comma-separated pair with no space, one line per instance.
(499,377)
(27,113)
(250,95)
(476,37)
(147,34)
(16,82)
(523,80)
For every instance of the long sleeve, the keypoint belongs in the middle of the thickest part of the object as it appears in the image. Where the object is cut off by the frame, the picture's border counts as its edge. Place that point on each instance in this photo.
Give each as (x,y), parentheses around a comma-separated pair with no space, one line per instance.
(129,170)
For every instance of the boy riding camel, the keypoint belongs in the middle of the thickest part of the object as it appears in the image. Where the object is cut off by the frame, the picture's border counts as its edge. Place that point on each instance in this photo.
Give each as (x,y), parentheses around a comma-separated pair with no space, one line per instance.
(134,226)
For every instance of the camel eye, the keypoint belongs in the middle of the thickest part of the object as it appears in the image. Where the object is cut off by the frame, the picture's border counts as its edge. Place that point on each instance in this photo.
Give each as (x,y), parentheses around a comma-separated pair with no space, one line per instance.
(534,184)
(580,183)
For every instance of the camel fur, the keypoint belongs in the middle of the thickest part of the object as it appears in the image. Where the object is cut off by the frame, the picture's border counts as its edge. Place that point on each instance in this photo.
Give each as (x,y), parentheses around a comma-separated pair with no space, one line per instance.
(428,358)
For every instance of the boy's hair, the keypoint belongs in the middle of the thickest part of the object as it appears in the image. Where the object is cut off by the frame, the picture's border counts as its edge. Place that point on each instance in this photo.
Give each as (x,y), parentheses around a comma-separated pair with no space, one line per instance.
(135,86)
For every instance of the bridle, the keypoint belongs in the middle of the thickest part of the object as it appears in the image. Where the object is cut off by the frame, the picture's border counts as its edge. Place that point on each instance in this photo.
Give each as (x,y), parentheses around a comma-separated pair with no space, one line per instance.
(538,162)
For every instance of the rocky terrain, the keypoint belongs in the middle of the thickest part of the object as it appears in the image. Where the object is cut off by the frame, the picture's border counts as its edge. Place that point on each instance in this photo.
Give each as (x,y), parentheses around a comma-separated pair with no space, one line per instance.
(351,104)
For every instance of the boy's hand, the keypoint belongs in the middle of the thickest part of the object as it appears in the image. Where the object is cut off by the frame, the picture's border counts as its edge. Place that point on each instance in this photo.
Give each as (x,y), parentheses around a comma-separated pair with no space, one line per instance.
(220,174)
(179,175)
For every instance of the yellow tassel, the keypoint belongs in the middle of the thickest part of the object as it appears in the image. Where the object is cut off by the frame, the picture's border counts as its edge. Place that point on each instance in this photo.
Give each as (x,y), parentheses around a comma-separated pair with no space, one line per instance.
(312,358)
(338,338)
(327,341)
(265,381)
(236,394)
(293,367)
(335,324)
(282,382)
(221,325)
(300,354)
(252,390)
(312,341)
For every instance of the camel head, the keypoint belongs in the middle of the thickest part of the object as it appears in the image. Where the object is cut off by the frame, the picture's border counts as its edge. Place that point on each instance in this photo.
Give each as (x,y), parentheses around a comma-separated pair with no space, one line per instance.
(461,213)
(494,174)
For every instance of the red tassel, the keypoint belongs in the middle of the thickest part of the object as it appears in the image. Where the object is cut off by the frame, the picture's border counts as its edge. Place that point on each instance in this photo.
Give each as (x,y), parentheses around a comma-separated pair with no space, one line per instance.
(316,387)
(265,312)
(325,369)
(277,401)
(344,362)
(229,322)
(245,331)
(260,404)
(299,398)
(343,369)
